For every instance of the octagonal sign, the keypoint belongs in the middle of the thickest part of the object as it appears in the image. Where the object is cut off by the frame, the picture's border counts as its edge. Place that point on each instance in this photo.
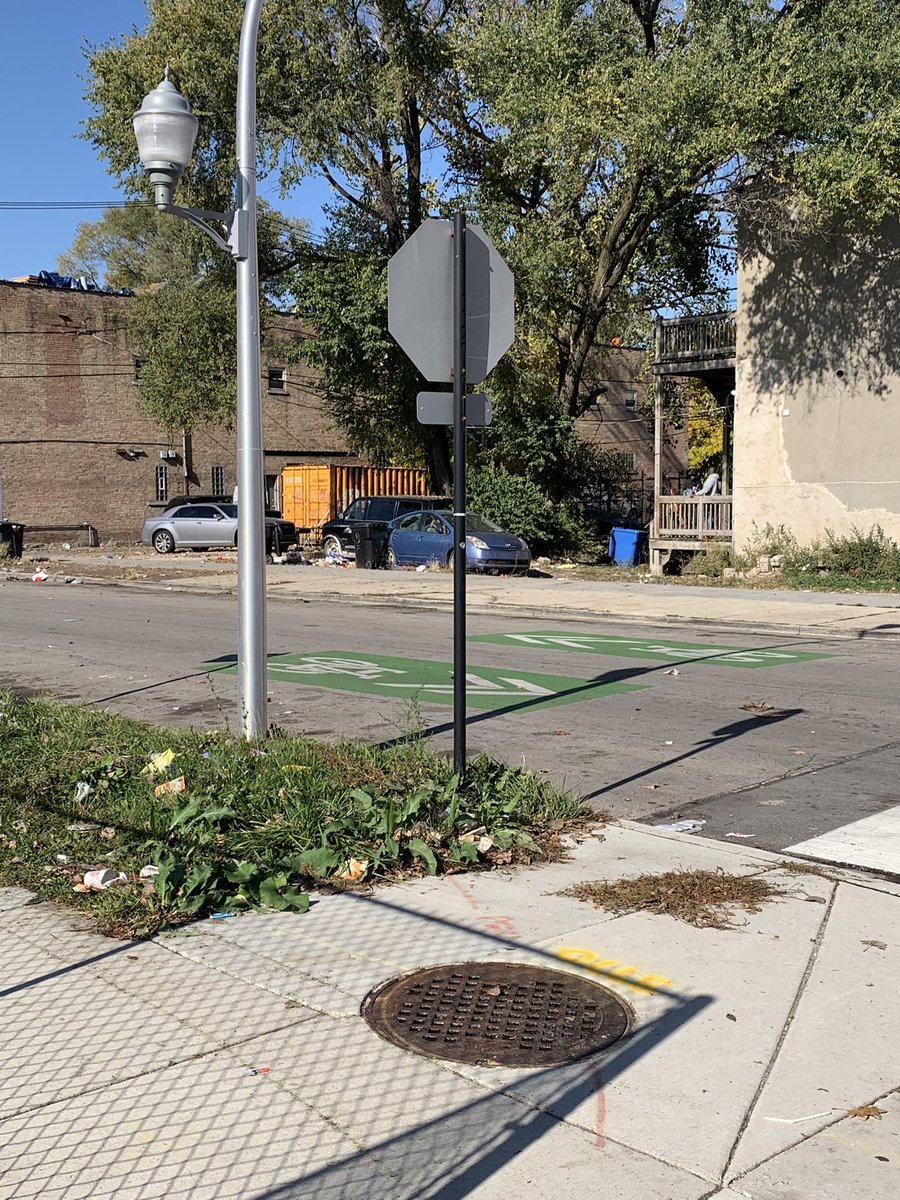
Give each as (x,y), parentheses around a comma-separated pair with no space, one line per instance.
(420,301)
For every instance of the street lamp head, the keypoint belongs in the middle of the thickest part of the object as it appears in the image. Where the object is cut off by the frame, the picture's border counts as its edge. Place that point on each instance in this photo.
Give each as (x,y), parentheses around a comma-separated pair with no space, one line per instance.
(165,129)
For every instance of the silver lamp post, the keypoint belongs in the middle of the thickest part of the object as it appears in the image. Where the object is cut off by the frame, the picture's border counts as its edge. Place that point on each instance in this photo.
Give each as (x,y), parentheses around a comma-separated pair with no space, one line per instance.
(165,129)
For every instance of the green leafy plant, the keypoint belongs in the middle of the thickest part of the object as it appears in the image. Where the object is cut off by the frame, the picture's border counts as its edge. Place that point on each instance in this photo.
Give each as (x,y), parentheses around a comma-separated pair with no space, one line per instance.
(256,825)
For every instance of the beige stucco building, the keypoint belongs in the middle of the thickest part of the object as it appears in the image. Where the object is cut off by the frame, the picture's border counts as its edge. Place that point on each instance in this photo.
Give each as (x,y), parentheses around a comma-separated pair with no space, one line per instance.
(817,413)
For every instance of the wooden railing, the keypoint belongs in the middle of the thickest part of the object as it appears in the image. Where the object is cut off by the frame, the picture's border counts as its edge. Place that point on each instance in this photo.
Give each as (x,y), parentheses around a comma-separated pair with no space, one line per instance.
(687,340)
(693,518)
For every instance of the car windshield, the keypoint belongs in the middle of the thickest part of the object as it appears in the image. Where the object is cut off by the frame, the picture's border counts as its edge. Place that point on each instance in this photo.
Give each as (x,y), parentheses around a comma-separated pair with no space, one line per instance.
(230,510)
(476,523)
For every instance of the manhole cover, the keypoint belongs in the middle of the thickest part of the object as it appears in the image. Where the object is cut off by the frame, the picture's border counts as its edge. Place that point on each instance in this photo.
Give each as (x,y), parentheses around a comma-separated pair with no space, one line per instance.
(497,1014)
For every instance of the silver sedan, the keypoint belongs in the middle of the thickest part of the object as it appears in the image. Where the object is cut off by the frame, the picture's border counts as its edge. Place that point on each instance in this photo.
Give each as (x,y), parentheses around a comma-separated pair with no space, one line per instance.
(198,526)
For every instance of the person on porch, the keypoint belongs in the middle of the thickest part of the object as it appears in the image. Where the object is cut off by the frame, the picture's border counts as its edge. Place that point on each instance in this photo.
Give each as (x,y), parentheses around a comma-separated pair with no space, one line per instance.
(711,486)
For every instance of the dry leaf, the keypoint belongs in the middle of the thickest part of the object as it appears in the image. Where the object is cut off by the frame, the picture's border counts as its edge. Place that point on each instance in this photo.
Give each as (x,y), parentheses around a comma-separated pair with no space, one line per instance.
(875,943)
(865,1111)
(730,1017)
(561,733)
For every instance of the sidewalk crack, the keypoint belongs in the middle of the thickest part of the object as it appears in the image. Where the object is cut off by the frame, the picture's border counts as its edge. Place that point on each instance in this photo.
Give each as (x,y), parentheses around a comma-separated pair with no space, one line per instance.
(773,1058)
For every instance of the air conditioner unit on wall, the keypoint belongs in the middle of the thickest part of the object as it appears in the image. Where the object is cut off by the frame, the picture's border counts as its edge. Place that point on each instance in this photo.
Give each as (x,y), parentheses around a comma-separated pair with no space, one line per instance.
(168,454)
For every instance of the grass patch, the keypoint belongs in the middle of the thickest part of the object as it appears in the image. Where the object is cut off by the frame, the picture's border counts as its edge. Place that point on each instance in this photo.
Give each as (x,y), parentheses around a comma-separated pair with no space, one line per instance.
(254,825)
(706,899)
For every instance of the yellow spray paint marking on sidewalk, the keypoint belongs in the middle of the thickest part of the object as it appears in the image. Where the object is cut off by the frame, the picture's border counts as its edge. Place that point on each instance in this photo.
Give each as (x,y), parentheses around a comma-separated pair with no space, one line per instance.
(645,983)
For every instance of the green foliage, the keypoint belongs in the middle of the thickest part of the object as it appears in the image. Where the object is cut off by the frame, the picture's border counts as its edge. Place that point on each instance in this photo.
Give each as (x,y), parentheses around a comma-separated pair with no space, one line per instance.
(516,503)
(710,562)
(189,351)
(600,144)
(369,383)
(705,428)
(858,561)
(255,824)
(769,541)
(184,312)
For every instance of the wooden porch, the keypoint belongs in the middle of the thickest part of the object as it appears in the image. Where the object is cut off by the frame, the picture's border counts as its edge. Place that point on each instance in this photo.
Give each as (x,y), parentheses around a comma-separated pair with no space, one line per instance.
(701,347)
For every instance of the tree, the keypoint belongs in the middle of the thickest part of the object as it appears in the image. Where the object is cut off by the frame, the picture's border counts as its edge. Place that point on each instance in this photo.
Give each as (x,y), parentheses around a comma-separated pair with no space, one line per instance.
(604,144)
(612,149)
(184,310)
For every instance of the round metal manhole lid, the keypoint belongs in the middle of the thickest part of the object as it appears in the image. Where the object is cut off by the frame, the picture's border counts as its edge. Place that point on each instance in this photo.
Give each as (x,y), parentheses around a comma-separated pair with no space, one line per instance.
(497,1014)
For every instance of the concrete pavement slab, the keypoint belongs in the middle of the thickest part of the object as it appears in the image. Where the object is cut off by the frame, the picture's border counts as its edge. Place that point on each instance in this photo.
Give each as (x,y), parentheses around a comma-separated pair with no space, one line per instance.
(704,1073)
(206,1001)
(329,958)
(842,1046)
(339,1114)
(203,1129)
(852,1158)
(64,1031)
(13,898)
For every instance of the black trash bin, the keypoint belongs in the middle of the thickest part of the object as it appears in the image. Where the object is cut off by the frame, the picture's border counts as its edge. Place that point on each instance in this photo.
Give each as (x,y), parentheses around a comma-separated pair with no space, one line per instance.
(370,545)
(12,536)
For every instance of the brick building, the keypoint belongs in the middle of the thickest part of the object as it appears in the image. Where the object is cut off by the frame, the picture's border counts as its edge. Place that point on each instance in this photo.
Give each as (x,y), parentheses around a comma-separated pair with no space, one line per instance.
(621,419)
(74,448)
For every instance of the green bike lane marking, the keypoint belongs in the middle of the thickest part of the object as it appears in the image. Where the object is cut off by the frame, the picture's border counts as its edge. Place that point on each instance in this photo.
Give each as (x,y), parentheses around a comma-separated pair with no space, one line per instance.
(650,649)
(402,678)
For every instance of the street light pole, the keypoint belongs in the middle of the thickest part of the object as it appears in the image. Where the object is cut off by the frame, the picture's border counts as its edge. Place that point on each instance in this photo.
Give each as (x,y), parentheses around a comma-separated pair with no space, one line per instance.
(165,129)
(250,476)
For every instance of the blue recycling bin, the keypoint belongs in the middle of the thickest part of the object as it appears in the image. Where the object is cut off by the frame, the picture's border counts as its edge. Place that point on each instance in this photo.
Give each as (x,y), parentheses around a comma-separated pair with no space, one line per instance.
(626,546)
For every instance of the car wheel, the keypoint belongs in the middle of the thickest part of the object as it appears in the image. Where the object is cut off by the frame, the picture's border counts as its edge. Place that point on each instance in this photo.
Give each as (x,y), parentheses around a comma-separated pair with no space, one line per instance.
(163,542)
(391,560)
(331,544)
(275,544)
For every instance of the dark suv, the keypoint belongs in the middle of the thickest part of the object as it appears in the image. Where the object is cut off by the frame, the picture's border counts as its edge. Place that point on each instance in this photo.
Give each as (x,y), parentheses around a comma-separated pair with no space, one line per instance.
(371,514)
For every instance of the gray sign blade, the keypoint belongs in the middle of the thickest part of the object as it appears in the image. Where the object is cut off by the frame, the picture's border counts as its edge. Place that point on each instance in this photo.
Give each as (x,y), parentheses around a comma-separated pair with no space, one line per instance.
(436,408)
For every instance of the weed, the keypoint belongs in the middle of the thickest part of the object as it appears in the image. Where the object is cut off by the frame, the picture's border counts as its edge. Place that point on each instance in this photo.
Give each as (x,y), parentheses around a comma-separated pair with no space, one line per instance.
(711,561)
(702,898)
(255,824)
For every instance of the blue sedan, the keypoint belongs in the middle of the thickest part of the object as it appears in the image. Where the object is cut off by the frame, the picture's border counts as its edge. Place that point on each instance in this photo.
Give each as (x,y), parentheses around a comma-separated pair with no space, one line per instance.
(427,537)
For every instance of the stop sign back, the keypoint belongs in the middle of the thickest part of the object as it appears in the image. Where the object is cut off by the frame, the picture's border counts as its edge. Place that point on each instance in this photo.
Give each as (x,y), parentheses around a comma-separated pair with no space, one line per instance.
(420,301)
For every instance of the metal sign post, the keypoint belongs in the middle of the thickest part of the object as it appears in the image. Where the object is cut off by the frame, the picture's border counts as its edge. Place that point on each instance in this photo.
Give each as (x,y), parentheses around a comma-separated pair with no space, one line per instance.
(450,307)
(459,494)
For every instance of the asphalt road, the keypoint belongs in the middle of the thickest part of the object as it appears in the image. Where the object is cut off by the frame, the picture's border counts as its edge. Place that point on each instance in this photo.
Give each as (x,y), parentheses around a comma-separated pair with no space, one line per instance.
(822,753)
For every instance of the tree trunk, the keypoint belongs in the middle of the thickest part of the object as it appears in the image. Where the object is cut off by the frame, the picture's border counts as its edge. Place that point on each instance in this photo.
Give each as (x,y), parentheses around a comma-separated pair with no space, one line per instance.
(438,473)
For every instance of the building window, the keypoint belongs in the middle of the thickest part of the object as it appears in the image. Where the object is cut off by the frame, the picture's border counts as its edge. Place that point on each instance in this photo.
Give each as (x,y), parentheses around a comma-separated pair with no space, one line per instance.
(218,481)
(138,363)
(272,491)
(277,379)
(625,462)
(162,483)
(631,402)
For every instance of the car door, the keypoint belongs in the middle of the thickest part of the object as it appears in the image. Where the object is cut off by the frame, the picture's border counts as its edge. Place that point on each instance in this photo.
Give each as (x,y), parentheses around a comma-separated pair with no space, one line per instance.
(209,526)
(435,539)
(404,538)
(186,523)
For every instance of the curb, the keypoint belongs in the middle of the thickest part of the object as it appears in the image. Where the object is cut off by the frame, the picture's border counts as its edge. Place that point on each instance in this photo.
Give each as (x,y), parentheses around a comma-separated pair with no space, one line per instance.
(494,608)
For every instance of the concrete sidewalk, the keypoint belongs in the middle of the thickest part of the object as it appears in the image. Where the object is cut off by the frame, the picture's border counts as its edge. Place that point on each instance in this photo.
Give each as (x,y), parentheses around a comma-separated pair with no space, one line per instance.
(645,601)
(127,1068)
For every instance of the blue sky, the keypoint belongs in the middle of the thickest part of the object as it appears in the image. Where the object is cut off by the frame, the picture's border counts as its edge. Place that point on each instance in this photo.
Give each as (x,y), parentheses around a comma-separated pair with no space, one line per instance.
(44,159)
